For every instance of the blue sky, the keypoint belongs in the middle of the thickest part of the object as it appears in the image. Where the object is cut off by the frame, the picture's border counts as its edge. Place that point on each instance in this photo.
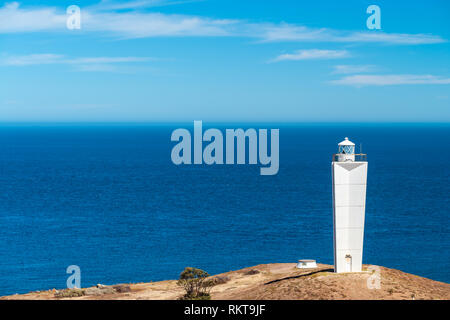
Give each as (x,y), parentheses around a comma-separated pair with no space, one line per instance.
(211,60)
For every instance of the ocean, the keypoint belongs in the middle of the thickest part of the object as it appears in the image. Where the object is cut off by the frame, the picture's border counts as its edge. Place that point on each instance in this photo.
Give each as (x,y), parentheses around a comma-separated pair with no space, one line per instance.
(107,198)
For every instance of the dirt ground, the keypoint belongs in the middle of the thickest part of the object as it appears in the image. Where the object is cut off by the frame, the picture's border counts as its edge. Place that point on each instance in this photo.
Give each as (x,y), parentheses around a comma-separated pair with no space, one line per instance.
(272,282)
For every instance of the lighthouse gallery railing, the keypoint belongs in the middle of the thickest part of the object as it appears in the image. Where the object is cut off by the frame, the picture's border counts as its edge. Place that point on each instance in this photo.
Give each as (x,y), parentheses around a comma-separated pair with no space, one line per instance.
(358,156)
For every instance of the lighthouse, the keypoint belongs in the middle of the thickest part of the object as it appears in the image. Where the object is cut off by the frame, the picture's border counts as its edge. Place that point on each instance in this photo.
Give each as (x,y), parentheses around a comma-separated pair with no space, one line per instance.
(349,177)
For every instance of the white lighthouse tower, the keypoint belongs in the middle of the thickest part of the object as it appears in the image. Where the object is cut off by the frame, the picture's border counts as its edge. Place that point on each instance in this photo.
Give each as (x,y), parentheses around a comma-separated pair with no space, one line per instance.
(349,174)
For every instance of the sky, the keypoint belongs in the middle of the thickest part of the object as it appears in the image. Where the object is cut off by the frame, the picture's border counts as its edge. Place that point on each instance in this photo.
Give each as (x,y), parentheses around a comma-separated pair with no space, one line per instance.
(224,60)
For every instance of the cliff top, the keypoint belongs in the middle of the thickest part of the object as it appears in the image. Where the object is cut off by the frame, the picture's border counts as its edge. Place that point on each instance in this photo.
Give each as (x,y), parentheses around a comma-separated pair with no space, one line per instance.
(271,282)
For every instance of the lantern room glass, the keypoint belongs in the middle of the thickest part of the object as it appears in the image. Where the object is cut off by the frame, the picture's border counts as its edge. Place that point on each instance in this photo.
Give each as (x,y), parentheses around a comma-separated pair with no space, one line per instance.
(347,149)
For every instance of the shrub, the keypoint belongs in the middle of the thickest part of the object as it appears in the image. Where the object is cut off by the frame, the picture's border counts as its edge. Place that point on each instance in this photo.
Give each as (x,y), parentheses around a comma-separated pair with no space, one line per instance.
(195,283)
(220,279)
(70,293)
(251,272)
(121,288)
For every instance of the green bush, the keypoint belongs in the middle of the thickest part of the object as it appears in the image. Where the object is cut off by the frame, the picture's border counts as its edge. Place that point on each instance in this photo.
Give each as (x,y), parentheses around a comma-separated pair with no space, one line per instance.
(195,283)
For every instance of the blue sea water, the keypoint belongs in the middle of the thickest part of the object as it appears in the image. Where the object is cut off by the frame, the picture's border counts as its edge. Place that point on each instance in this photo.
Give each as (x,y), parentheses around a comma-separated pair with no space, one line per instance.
(108,199)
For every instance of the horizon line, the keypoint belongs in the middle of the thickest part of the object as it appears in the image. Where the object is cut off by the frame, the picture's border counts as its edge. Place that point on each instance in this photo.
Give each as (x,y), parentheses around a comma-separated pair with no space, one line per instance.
(68,123)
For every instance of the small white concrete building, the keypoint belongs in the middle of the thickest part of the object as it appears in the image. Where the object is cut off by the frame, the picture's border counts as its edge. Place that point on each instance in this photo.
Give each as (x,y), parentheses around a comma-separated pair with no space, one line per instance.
(349,176)
(306,264)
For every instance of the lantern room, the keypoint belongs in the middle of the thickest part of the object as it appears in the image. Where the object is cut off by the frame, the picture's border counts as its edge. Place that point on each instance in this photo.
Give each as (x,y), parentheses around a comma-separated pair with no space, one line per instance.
(346,151)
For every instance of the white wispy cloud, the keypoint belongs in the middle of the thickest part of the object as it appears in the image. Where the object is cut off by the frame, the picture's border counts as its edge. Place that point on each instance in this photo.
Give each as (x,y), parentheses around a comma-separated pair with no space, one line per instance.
(31,59)
(82,63)
(108,17)
(390,38)
(142,25)
(130,24)
(347,69)
(14,19)
(389,80)
(103,60)
(312,54)
(120,5)
(290,32)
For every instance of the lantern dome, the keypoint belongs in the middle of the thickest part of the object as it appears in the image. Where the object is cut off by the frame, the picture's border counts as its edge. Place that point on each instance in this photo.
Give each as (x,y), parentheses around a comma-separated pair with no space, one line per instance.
(346,142)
